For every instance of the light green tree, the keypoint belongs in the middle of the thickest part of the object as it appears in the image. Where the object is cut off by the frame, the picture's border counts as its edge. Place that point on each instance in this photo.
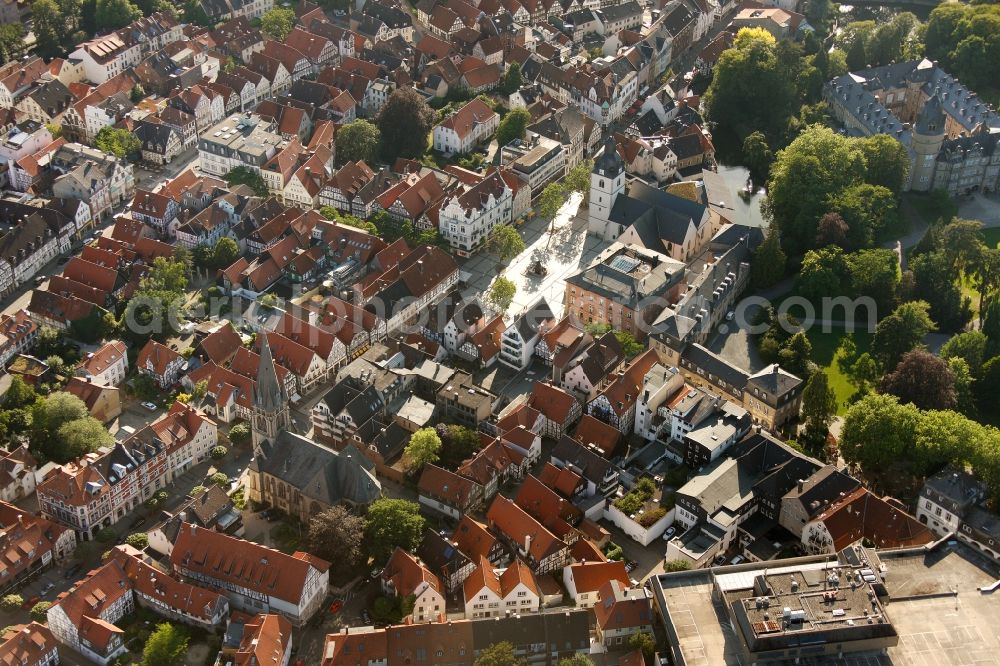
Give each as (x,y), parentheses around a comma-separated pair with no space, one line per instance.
(424,447)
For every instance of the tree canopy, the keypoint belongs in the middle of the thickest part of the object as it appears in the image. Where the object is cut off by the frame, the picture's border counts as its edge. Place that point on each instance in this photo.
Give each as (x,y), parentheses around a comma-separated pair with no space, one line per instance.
(506,243)
(166,646)
(405,121)
(513,125)
(501,293)
(819,406)
(923,379)
(337,535)
(390,523)
(424,447)
(965,39)
(822,171)
(900,332)
(276,23)
(114,14)
(244,176)
(499,654)
(358,140)
(117,142)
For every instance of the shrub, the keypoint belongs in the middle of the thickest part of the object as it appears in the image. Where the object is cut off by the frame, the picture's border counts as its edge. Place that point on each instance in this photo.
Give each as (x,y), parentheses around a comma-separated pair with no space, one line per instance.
(39,610)
(220,479)
(676,565)
(629,504)
(198,490)
(615,553)
(219,452)
(137,540)
(649,518)
(106,535)
(11,602)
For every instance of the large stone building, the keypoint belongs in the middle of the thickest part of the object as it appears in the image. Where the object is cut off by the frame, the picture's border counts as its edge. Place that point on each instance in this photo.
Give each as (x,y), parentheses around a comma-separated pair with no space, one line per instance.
(294,473)
(951,134)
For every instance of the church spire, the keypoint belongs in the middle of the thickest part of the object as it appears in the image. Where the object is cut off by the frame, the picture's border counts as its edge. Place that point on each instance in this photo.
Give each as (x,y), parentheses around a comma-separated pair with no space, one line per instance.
(269,394)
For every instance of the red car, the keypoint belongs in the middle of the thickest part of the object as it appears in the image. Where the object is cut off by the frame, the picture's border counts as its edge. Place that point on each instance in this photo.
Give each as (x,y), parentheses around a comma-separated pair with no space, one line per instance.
(336,606)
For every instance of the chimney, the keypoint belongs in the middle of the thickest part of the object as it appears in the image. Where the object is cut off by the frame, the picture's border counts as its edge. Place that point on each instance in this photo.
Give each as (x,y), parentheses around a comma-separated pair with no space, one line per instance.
(527,543)
(801,484)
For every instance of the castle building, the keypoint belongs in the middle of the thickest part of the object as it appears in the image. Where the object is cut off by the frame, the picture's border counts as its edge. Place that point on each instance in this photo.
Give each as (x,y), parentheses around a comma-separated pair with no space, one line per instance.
(951,134)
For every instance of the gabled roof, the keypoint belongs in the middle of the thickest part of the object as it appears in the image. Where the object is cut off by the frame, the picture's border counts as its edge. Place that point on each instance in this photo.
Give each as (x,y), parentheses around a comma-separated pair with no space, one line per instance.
(863,515)
(445,486)
(521,528)
(408,574)
(473,539)
(592,576)
(246,564)
(552,402)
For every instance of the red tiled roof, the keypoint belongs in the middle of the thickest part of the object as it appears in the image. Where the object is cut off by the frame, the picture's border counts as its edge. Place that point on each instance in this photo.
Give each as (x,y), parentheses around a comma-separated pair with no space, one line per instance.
(592,576)
(514,522)
(238,562)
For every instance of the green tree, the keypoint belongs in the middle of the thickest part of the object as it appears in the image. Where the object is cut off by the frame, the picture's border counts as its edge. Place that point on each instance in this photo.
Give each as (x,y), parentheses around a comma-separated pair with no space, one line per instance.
(900,332)
(75,438)
(390,523)
(819,406)
(752,89)
(936,282)
(878,431)
(870,211)
(277,23)
(499,654)
(795,355)
(629,344)
(337,535)
(11,602)
(19,394)
(512,79)
(137,94)
(114,14)
(244,176)
(643,642)
(965,397)
(166,646)
(757,155)
(405,122)
(358,140)
(874,273)
(768,265)
(225,252)
(823,273)
(988,386)
(576,660)
(424,447)
(965,39)
(506,243)
(240,433)
(886,162)
(193,12)
(11,41)
(819,163)
(39,612)
(513,126)
(220,479)
(219,452)
(48,26)
(969,346)
(578,178)
(501,293)
(551,200)
(117,142)
(137,540)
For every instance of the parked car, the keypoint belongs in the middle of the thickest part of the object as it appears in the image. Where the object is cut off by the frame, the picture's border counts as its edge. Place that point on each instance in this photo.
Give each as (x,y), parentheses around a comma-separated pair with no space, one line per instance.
(48,588)
(669,534)
(720,559)
(736,560)
(150,406)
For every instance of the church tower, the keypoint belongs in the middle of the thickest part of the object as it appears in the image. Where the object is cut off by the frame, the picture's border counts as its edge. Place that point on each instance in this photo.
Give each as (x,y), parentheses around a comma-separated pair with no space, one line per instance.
(926,141)
(270,401)
(607,181)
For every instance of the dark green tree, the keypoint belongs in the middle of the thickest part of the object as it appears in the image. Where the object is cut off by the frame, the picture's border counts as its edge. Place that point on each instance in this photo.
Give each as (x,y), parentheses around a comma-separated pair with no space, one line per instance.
(768,265)
(819,406)
(499,654)
(405,121)
(252,179)
(114,14)
(512,79)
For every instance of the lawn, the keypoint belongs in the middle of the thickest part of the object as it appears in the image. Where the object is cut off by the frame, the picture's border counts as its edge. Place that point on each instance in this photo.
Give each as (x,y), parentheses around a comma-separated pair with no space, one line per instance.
(824,353)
